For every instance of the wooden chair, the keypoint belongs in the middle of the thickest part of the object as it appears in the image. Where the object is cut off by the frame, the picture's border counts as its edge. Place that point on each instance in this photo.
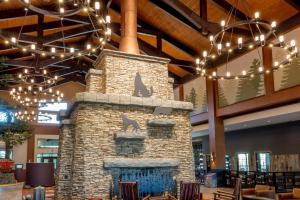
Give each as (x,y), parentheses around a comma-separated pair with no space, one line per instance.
(235,195)
(189,191)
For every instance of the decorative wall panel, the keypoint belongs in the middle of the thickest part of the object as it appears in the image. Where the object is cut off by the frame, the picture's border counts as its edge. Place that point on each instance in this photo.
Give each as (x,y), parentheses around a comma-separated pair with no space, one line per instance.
(231,90)
(289,74)
(195,92)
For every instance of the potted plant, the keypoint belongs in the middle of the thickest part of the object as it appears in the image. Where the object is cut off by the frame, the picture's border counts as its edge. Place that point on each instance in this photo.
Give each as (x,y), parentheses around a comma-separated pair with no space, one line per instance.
(14,134)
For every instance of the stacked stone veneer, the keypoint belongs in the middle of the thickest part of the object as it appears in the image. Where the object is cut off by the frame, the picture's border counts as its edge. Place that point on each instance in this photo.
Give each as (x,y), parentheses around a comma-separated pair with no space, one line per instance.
(89,148)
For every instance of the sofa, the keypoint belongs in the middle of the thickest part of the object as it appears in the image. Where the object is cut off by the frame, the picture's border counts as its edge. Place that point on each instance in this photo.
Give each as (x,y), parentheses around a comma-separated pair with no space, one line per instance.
(260,191)
(11,191)
(295,195)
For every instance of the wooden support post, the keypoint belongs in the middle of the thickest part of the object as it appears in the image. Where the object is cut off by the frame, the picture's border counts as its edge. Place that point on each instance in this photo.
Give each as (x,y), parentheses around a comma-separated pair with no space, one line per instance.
(268,76)
(159,43)
(181,93)
(216,127)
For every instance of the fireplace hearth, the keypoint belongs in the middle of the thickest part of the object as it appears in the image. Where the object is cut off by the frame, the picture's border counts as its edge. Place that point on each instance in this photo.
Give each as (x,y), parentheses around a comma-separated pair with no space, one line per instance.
(125,127)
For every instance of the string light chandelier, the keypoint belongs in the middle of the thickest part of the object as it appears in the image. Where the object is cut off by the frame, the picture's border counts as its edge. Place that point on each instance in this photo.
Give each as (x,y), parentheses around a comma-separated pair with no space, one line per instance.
(97,23)
(31,115)
(227,39)
(35,87)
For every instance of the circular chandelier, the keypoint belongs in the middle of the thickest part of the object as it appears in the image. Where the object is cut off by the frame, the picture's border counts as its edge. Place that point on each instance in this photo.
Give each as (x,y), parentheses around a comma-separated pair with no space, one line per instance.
(94,24)
(35,87)
(225,42)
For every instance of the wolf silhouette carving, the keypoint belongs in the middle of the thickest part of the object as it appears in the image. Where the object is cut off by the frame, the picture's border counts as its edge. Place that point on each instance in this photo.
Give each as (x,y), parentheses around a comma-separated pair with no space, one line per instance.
(140,89)
(127,122)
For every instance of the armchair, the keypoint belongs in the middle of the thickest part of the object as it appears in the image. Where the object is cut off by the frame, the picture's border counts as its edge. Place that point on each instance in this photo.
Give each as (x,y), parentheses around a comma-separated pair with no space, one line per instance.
(235,195)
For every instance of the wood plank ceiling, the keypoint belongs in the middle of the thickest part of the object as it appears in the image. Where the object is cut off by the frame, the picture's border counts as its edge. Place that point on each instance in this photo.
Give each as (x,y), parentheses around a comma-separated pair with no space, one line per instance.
(180,26)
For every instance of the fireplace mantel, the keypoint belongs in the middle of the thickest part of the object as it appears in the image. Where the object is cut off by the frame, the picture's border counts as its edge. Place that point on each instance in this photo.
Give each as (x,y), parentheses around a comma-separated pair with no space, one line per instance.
(139,163)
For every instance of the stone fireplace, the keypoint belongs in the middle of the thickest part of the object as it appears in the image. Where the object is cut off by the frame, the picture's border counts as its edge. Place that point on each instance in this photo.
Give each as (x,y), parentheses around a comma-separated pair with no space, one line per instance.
(97,150)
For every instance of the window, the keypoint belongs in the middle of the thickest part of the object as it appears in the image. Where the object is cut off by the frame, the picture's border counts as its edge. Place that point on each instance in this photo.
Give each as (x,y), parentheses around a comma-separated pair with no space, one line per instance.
(50,112)
(263,161)
(227,162)
(243,162)
(3,117)
(47,158)
(2,154)
(53,106)
(47,143)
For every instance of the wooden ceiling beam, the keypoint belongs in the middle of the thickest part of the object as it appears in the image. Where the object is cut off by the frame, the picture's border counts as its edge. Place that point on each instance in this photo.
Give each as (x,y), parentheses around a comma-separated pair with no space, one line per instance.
(294,3)
(226,7)
(179,10)
(149,29)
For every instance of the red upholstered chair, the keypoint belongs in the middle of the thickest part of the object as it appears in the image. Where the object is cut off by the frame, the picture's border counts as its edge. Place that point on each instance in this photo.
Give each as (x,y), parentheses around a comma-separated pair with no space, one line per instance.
(128,190)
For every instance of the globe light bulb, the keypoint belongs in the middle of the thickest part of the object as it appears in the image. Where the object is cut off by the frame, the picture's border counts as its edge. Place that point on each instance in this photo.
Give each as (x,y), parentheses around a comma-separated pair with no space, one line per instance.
(240,42)
(256,15)
(222,23)
(13,40)
(97,5)
(228,74)
(107,19)
(219,47)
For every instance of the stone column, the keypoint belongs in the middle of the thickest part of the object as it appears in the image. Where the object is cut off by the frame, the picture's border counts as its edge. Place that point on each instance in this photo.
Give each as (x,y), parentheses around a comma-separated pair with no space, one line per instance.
(129,43)
(65,159)
(94,82)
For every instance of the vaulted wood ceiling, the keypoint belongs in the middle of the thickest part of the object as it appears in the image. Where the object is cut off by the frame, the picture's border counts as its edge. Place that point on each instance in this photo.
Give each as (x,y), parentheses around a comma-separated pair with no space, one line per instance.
(169,28)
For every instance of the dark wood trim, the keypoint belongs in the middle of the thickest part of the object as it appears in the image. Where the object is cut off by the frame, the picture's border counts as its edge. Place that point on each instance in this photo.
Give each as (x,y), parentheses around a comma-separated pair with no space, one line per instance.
(278,98)
(268,65)
(203,12)
(199,118)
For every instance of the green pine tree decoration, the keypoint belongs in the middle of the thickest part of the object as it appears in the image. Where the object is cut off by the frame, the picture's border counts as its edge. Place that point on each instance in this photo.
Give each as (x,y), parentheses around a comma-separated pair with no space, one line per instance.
(250,87)
(204,102)
(221,97)
(192,97)
(291,74)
